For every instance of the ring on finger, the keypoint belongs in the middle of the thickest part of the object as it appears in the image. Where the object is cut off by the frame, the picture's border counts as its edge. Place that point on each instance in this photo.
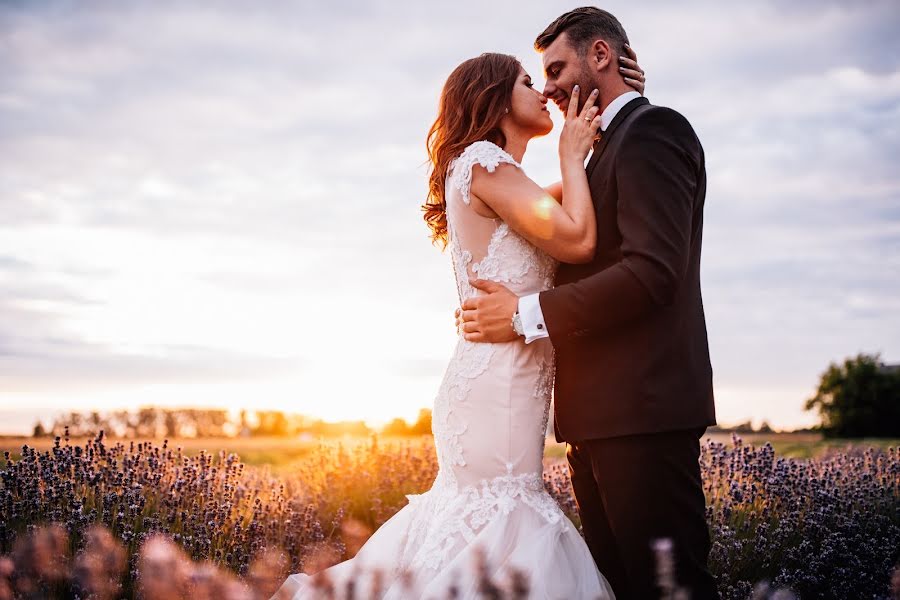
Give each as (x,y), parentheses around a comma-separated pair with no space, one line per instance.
(588,119)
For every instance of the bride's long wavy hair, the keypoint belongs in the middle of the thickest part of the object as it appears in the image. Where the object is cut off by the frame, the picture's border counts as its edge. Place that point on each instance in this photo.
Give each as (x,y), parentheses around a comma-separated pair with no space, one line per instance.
(475,98)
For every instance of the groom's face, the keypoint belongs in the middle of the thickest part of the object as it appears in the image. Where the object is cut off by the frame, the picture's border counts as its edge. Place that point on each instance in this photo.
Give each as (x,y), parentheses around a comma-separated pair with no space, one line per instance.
(564,68)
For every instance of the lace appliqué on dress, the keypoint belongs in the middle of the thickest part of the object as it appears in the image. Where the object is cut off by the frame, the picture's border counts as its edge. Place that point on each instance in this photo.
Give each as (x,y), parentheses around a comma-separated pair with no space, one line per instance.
(450,518)
(461,260)
(510,257)
(469,361)
(487,154)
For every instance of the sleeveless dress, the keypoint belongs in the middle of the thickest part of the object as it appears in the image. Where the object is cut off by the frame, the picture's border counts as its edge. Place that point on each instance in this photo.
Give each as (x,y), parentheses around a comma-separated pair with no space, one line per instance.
(489,421)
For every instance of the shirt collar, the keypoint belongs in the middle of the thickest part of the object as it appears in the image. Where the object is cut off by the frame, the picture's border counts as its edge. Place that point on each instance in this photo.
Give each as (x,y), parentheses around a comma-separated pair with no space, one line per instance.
(614,107)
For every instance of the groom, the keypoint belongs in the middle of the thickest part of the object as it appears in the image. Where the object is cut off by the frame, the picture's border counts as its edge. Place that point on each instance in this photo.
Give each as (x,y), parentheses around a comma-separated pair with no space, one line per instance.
(633,387)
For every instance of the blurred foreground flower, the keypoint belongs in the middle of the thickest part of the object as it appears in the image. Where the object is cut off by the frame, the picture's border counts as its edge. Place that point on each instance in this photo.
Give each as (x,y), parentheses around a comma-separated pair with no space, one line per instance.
(98,569)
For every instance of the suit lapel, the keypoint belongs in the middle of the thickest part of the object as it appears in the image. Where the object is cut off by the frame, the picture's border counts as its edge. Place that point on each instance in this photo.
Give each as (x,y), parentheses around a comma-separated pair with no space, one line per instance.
(607,135)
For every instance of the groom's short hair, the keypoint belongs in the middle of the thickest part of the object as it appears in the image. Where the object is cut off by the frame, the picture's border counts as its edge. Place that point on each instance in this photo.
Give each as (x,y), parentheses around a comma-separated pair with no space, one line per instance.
(583,26)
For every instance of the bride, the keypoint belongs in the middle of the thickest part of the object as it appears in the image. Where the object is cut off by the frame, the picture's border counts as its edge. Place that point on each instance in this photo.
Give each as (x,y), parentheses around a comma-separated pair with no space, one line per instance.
(488,504)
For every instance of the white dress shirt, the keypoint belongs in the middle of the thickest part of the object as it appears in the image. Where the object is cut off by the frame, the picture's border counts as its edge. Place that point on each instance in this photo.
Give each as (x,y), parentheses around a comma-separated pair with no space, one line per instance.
(529,306)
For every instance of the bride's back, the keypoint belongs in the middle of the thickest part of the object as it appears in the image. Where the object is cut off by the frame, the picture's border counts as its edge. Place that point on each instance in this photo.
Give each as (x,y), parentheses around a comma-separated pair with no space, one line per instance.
(483,247)
(491,411)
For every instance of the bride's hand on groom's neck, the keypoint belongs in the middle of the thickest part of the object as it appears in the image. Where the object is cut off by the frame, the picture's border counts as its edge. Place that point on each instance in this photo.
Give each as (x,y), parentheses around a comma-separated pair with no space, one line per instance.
(631,71)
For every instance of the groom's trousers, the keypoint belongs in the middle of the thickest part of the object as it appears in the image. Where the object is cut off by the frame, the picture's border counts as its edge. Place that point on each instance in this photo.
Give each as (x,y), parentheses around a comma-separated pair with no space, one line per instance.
(635,489)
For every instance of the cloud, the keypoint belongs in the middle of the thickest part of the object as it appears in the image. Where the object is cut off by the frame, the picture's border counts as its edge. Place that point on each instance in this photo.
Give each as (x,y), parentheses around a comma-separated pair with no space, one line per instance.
(39,352)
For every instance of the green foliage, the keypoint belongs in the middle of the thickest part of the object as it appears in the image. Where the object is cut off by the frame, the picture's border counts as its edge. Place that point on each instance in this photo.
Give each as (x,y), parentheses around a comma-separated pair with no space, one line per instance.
(859,398)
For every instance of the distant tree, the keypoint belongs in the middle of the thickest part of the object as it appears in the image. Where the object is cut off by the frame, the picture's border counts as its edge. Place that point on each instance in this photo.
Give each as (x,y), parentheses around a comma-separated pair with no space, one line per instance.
(170,421)
(95,422)
(244,430)
(422,426)
(148,421)
(271,422)
(39,430)
(745,427)
(859,398)
(396,427)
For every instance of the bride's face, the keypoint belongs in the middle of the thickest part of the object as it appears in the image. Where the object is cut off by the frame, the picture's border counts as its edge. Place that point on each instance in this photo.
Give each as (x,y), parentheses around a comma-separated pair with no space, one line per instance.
(528,109)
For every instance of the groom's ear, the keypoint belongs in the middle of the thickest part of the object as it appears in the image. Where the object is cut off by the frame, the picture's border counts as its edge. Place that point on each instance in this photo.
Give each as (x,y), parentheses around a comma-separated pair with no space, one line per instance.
(600,55)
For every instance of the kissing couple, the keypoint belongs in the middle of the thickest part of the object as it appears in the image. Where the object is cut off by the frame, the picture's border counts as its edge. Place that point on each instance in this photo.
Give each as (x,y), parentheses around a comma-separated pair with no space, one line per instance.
(587,290)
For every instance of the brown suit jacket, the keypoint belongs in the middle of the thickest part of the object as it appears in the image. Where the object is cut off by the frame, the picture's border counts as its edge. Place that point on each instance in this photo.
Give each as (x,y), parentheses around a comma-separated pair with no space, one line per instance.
(632,355)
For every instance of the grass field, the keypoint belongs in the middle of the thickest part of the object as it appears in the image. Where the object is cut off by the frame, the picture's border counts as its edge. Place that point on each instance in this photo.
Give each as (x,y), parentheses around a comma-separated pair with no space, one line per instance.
(279,453)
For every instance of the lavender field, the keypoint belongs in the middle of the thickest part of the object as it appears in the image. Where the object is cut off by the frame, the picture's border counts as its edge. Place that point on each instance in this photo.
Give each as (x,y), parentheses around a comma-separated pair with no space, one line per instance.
(111,520)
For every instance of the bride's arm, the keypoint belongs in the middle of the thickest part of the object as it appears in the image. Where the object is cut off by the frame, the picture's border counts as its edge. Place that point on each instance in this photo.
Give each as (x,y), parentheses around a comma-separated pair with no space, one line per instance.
(555,191)
(565,229)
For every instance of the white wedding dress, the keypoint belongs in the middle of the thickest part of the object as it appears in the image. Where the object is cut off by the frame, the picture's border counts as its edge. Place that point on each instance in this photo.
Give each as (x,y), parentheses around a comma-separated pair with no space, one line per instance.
(489,422)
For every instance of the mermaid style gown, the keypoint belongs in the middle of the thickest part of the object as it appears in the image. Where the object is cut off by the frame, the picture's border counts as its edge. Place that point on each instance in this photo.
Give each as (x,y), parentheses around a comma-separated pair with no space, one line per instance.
(489,420)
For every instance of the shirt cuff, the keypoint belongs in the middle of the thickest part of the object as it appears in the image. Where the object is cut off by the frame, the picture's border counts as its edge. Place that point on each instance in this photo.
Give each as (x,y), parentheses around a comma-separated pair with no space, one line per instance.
(532,318)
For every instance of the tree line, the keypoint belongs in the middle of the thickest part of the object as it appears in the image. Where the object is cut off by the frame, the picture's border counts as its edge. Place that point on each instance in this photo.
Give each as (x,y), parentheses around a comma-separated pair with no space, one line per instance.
(859,397)
(157,422)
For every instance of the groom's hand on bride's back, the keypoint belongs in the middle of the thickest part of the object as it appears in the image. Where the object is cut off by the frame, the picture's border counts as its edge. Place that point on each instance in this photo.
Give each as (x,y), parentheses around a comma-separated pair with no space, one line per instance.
(488,318)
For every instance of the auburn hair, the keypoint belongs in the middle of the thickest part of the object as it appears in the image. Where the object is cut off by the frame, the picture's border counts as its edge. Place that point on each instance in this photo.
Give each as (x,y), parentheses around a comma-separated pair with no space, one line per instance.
(475,98)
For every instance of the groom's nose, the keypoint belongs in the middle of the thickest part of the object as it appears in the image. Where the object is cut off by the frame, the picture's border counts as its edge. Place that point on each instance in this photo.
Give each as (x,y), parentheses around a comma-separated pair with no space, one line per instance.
(551,92)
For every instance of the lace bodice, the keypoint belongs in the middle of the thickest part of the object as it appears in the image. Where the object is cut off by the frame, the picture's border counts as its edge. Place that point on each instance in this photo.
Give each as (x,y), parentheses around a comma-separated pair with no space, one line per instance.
(487,248)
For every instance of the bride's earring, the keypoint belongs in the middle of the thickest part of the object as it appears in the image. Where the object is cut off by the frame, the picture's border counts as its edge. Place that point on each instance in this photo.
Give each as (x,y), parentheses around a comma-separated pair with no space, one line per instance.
(506,111)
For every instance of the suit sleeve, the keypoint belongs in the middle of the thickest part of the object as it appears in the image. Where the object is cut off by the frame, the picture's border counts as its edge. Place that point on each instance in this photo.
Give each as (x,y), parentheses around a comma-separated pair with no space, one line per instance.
(657,174)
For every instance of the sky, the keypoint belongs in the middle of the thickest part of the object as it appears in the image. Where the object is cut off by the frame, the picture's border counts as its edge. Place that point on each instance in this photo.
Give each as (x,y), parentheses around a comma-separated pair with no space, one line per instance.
(217,204)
